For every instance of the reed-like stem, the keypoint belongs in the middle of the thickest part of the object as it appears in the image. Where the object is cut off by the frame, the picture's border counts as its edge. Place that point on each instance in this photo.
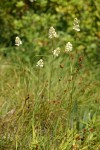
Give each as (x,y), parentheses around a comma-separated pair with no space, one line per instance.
(38,86)
(51,71)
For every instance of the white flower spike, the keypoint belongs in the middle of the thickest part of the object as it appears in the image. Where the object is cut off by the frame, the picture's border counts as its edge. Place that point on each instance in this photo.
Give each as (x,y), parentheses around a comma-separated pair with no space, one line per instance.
(52,33)
(40,63)
(68,47)
(32,0)
(56,52)
(18,41)
(76,25)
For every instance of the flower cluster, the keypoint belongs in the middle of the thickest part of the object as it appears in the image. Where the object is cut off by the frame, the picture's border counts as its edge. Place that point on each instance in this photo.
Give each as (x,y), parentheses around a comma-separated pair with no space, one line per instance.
(32,0)
(76,25)
(56,52)
(18,41)
(68,47)
(40,63)
(52,33)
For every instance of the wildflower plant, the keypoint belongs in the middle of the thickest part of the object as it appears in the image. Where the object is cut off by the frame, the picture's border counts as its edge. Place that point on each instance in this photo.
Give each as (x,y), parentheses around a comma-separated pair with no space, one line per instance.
(76,25)
(18,41)
(68,47)
(40,63)
(56,52)
(52,33)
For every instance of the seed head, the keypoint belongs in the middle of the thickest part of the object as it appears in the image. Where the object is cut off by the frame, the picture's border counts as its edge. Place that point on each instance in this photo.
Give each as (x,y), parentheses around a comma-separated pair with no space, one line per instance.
(68,47)
(18,41)
(52,33)
(40,63)
(56,52)
(76,25)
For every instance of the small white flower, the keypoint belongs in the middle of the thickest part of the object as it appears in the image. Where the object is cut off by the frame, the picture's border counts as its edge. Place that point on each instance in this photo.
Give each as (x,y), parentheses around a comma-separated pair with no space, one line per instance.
(32,0)
(56,52)
(68,47)
(40,63)
(52,33)
(76,25)
(18,41)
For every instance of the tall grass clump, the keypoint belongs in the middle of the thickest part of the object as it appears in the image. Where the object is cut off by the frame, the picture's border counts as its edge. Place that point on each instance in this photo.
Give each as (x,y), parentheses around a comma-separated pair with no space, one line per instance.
(51,104)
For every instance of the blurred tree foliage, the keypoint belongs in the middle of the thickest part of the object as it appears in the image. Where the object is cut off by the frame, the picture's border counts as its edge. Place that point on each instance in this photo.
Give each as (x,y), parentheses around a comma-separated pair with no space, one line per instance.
(31,21)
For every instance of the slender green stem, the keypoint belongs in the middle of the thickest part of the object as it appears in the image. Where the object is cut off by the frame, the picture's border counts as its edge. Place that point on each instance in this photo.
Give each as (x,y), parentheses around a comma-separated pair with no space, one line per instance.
(38,83)
(71,123)
(51,71)
(72,82)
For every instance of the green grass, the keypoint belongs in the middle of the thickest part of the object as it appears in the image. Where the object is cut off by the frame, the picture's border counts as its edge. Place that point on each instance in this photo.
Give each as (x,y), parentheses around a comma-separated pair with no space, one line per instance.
(34,116)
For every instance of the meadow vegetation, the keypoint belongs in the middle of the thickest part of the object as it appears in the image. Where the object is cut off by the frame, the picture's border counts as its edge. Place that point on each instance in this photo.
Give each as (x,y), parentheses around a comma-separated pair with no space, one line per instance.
(49,75)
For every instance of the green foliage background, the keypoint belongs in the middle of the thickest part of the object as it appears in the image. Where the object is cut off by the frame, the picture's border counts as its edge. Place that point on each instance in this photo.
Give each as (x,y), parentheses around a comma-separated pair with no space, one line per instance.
(32,20)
